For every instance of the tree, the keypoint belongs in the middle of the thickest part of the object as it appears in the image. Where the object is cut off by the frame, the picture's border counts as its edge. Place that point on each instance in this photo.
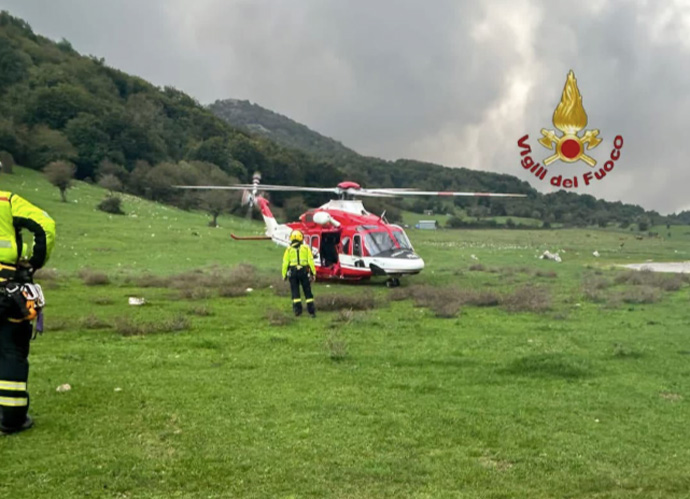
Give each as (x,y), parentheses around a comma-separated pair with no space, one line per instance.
(60,174)
(14,64)
(215,203)
(294,207)
(643,224)
(6,162)
(111,183)
(46,145)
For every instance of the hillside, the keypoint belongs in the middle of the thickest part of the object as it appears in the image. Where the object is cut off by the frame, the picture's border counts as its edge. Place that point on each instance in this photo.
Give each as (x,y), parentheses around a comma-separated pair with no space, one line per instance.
(281,129)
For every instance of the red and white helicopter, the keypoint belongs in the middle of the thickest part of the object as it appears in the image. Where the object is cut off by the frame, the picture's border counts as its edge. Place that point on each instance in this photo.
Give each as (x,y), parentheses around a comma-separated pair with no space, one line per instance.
(347,241)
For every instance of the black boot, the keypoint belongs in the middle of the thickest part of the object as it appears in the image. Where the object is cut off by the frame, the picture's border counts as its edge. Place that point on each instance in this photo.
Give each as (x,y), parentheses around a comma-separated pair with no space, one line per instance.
(28,423)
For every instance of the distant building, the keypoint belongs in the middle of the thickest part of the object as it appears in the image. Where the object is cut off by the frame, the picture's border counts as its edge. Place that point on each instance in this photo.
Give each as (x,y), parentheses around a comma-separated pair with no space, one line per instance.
(427,225)
(428,212)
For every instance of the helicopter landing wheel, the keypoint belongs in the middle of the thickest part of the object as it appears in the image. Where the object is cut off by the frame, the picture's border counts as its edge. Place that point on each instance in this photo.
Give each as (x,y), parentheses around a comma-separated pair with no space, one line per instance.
(393,282)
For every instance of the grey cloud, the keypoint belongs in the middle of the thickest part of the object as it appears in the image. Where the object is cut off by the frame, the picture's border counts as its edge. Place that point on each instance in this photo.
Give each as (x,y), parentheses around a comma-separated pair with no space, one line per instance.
(445,81)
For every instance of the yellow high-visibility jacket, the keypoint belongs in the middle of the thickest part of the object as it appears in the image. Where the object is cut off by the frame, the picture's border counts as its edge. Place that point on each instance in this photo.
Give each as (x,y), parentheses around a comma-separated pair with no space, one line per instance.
(16,213)
(298,256)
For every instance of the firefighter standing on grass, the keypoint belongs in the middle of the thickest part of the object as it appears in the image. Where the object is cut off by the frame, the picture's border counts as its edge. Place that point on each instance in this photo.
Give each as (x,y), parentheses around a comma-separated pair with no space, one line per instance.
(298,266)
(20,302)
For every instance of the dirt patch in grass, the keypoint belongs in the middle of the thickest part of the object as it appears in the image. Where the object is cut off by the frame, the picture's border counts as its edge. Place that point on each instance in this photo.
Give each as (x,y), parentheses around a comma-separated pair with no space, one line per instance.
(671,397)
(102,300)
(129,327)
(477,267)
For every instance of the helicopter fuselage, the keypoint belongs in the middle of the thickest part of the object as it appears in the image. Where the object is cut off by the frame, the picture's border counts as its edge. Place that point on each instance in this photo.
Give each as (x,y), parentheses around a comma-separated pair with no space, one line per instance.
(348,242)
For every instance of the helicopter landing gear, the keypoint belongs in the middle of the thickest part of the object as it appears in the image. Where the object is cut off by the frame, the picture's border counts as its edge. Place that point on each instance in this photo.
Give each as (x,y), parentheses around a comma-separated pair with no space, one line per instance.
(393,282)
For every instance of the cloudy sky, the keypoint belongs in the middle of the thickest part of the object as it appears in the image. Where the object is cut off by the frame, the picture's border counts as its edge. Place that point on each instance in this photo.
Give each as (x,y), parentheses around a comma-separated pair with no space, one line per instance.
(449,81)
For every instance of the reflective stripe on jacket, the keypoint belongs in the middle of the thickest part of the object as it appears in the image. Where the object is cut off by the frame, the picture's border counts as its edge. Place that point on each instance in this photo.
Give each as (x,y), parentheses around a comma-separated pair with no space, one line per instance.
(17,213)
(298,256)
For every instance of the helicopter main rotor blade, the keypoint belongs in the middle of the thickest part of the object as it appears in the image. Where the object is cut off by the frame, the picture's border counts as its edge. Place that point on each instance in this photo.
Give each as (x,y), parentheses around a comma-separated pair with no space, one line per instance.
(391,192)
(262,187)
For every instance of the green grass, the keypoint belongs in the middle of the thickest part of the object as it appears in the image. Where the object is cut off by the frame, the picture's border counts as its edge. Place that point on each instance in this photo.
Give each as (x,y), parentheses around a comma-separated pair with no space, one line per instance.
(584,399)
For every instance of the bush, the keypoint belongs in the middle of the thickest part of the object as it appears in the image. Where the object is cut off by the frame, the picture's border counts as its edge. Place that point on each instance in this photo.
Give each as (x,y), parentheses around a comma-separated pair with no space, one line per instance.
(336,346)
(278,317)
(93,278)
(334,301)
(128,327)
(93,322)
(200,311)
(528,299)
(659,280)
(47,275)
(111,204)
(446,310)
(641,295)
(232,291)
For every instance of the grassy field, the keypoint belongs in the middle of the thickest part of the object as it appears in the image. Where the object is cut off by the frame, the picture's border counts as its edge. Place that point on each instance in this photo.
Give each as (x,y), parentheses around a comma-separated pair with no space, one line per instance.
(493,374)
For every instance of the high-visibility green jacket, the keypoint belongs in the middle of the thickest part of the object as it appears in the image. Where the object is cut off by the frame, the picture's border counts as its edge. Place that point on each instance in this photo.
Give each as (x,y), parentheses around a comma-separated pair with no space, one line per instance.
(16,213)
(298,256)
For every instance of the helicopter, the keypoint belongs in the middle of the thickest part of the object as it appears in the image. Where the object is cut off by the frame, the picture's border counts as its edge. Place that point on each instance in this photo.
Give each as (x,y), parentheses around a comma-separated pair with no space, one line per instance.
(347,241)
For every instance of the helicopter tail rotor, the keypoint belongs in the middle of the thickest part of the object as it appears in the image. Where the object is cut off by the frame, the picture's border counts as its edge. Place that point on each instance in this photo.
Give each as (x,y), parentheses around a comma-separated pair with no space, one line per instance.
(249,196)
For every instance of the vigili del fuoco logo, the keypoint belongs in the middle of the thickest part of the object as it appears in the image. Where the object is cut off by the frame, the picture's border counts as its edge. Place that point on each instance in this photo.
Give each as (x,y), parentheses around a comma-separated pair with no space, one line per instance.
(572,146)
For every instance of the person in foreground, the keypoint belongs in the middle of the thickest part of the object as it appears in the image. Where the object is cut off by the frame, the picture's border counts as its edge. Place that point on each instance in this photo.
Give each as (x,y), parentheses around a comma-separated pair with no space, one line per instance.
(298,266)
(21,302)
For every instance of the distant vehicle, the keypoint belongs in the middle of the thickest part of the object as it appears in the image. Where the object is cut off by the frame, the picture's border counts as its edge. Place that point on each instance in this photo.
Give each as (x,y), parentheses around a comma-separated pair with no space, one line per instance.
(427,225)
(347,241)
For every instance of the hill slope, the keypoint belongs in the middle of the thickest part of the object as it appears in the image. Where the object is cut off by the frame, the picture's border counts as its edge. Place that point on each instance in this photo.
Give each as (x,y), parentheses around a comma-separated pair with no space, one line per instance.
(281,129)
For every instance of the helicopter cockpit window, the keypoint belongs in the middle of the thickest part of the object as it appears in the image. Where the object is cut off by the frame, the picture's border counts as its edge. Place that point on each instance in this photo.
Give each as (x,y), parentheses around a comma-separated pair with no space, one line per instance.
(378,242)
(402,239)
(346,245)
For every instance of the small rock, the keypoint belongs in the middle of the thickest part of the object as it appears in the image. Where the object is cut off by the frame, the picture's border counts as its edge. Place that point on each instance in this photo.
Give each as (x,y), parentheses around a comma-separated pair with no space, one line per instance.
(118,389)
(63,388)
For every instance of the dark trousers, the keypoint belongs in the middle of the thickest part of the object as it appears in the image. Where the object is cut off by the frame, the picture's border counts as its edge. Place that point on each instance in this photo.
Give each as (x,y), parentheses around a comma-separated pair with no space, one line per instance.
(298,277)
(14,372)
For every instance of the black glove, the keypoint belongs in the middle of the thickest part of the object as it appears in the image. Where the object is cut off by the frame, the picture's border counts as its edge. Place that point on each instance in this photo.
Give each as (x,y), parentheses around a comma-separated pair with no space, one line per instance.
(24,274)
